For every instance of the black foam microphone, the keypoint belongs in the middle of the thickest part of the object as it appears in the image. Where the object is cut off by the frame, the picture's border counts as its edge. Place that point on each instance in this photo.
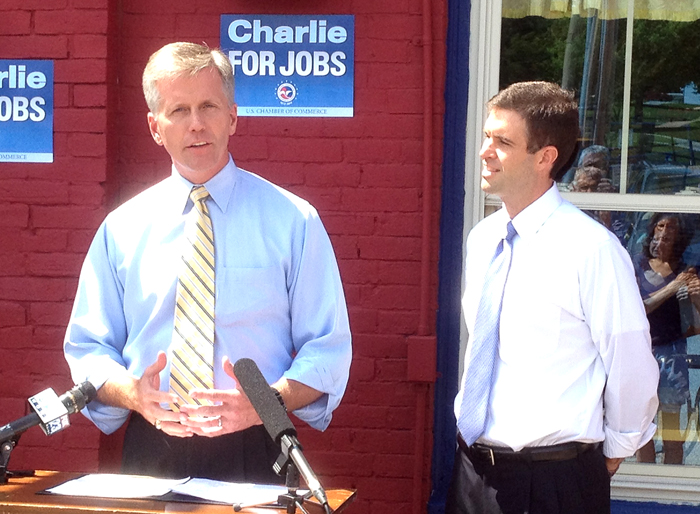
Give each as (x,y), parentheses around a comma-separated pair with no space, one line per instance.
(276,422)
(50,411)
(263,398)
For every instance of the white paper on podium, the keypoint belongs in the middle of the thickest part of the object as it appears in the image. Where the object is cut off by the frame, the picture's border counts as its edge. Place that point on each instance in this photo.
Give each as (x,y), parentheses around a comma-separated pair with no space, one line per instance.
(233,493)
(106,485)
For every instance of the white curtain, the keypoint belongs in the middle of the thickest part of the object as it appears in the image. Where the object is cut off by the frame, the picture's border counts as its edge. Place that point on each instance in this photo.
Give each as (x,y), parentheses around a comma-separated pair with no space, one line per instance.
(672,10)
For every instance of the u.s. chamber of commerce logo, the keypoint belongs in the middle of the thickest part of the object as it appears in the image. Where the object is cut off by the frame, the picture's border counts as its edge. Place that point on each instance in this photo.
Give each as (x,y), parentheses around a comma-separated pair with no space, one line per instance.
(286,93)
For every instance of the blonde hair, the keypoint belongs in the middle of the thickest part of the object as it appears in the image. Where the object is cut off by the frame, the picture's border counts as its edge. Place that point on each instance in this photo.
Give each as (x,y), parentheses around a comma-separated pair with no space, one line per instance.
(178,59)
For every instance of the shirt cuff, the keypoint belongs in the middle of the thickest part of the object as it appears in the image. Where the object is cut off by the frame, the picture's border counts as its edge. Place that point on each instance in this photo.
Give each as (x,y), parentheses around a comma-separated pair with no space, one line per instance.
(625,444)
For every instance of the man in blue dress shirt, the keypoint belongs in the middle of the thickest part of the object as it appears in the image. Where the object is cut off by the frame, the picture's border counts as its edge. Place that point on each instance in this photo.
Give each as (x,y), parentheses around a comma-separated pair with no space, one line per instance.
(279,298)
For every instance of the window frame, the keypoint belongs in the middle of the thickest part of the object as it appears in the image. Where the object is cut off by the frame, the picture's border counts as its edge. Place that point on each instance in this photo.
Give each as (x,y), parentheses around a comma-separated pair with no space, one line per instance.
(634,481)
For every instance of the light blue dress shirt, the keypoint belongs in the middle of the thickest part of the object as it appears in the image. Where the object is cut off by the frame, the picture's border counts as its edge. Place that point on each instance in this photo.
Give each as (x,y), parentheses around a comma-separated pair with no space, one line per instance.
(279,298)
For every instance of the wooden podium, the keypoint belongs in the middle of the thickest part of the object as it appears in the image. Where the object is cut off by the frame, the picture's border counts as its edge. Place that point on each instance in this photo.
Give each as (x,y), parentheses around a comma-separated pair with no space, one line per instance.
(19,496)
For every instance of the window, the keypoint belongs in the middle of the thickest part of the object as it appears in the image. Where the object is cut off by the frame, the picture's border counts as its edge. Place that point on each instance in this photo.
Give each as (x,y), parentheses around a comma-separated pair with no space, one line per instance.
(634,69)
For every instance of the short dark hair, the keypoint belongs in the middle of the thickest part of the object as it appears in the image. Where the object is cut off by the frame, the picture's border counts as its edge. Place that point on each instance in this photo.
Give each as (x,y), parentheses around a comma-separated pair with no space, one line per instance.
(551,118)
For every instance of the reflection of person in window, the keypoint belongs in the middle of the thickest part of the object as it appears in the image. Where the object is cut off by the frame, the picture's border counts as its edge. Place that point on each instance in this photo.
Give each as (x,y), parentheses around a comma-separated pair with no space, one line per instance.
(589,179)
(663,277)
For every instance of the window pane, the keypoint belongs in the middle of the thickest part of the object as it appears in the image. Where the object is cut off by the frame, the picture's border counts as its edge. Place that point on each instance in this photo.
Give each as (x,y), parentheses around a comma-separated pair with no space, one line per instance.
(582,54)
(665,115)
(587,55)
(665,251)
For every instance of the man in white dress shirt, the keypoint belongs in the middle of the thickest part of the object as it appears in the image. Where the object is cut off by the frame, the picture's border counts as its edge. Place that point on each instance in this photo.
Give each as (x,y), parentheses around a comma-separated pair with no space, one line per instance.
(573,386)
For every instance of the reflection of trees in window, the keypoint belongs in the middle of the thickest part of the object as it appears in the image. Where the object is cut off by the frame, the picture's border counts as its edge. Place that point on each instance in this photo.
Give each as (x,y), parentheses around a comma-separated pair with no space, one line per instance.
(587,54)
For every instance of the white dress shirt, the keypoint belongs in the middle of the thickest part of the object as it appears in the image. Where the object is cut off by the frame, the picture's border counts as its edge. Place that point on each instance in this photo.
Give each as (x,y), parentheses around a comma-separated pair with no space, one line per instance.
(575,361)
(279,299)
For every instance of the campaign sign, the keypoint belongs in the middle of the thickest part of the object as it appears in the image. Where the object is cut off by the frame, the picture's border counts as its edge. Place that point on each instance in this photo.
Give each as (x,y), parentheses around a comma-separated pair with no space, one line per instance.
(26,111)
(291,65)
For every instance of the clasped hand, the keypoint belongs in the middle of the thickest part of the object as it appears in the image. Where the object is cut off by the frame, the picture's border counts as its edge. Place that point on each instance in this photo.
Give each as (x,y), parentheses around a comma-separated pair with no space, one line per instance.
(230,410)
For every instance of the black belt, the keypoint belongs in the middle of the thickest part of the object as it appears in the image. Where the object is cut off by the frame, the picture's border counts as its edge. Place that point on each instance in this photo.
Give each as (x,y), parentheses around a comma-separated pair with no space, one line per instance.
(564,451)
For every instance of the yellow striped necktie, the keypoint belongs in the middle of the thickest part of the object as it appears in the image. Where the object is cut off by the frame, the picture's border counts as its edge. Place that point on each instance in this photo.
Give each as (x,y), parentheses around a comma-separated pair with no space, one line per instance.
(192,362)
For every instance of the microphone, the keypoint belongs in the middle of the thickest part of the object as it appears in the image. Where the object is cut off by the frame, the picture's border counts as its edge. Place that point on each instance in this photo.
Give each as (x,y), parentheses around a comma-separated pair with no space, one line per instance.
(275,420)
(50,411)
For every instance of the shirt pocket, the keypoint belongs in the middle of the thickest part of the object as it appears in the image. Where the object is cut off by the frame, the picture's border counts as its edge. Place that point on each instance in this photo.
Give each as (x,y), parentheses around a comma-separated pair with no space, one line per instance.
(250,296)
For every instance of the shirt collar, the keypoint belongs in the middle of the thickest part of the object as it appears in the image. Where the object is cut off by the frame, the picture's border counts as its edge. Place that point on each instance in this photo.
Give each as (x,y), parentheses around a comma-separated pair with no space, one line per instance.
(530,219)
(220,187)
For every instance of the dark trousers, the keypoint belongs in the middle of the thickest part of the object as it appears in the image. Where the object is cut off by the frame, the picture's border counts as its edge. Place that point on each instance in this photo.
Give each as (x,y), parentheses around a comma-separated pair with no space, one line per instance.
(580,485)
(245,456)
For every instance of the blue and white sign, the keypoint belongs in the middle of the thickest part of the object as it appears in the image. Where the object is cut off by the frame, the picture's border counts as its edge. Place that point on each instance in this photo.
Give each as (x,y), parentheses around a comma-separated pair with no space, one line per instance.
(26,111)
(291,65)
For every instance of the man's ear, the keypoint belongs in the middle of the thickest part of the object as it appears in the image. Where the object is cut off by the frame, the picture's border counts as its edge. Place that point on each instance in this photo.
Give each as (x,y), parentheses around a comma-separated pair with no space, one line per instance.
(547,156)
(153,127)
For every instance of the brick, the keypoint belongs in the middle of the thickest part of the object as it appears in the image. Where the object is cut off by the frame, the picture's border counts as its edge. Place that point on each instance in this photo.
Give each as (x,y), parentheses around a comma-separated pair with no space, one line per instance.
(380,346)
(383,51)
(355,271)
(12,314)
(79,240)
(70,21)
(54,264)
(80,120)
(12,264)
(33,191)
(43,240)
(61,98)
(398,322)
(400,224)
(86,46)
(34,47)
(394,272)
(391,370)
(392,175)
(31,5)
(15,338)
(66,217)
(332,175)
(87,71)
(307,150)
(90,95)
(362,369)
(372,150)
(348,223)
(90,4)
(87,145)
(390,248)
(363,320)
(390,26)
(79,169)
(32,288)
(15,23)
(137,25)
(87,194)
(380,199)
(249,148)
(13,215)
(196,25)
(393,466)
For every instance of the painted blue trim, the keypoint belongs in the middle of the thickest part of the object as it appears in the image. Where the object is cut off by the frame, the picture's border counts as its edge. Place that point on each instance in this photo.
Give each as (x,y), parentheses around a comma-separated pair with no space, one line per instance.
(450,261)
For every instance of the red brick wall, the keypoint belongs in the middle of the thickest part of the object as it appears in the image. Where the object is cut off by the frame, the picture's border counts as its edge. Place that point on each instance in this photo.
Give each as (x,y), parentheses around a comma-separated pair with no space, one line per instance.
(48,214)
(364,174)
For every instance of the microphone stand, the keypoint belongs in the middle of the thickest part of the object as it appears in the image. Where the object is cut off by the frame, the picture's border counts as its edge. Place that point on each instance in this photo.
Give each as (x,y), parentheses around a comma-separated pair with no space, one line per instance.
(285,463)
(292,499)
(6,448)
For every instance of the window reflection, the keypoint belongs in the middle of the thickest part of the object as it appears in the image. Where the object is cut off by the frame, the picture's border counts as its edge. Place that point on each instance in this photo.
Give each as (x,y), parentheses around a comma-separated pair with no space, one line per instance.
(665,252)
(587,54)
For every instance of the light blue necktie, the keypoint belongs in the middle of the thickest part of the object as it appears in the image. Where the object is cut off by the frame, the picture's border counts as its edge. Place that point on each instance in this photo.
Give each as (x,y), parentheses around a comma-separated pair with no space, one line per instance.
(485,340)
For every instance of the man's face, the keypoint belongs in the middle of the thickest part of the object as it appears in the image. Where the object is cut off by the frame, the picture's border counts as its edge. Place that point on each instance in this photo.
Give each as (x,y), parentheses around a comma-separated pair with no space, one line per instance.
(509,171)
(194,123)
